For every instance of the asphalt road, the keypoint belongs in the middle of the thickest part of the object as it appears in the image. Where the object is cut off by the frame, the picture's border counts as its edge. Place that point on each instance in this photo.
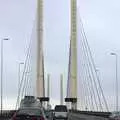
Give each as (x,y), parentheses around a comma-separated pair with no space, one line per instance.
(73,116)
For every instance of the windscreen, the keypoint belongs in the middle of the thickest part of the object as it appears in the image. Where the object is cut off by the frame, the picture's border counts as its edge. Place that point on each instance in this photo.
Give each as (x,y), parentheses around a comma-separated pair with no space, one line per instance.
(32,112)
(61,109)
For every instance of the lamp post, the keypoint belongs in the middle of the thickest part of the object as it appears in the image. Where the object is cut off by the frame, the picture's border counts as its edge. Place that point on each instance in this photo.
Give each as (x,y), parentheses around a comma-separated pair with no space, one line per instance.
(4,39)
(114,54)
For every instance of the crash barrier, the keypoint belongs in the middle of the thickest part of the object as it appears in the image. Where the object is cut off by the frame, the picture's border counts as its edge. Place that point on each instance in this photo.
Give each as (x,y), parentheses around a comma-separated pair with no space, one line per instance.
(88,115)
(7,114)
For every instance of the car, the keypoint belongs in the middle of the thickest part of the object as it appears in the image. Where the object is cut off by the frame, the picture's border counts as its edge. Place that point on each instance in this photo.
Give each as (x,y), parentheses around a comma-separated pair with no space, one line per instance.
(60,112)
(115,116)
(29,114)
(30,109)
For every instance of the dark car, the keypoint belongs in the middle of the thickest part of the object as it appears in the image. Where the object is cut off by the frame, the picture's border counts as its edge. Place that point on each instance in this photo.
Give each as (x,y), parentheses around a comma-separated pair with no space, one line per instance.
(115,116)
(29,114)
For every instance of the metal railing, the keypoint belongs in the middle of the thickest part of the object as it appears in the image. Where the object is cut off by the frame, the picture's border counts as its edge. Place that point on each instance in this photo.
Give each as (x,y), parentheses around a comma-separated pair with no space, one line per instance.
(88,115)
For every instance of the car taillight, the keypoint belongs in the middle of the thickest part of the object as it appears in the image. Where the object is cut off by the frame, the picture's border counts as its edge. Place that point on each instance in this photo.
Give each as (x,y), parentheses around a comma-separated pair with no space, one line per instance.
(34,118)
(42,118)
(14,117)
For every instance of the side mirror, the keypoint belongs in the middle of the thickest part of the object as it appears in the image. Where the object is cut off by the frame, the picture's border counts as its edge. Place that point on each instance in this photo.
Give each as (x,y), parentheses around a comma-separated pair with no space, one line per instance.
(53,113)
(47,116)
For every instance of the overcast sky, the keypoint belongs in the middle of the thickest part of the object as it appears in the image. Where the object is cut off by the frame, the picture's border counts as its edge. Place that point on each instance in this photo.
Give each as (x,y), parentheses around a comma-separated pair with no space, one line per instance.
(101,21)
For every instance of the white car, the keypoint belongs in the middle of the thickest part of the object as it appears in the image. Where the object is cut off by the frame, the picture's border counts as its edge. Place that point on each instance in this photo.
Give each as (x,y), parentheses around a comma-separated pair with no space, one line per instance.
(60,112)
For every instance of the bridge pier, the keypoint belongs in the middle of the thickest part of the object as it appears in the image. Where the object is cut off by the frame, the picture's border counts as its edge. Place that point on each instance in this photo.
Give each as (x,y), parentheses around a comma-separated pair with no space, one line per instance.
(73,102)
(43,100)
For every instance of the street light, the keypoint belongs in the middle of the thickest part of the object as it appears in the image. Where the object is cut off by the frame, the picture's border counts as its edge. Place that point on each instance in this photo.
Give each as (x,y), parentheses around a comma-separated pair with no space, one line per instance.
(4,39)
(114,54)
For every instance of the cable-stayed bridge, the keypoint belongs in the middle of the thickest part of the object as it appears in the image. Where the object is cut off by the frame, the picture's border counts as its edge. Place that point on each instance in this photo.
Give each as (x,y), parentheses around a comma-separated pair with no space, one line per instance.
(85,96)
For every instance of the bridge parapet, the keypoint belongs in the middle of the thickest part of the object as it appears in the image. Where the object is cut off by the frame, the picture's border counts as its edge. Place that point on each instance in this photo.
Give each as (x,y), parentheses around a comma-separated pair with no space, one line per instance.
(7,114)
(88,115)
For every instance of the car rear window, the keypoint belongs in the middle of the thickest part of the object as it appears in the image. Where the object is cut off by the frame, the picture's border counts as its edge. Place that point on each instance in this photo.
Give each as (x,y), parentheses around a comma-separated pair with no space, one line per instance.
(61,109)
(32,112)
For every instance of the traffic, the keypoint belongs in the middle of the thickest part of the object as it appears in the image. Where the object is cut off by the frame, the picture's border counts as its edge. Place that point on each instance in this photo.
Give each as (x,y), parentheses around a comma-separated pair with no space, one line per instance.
(32,109)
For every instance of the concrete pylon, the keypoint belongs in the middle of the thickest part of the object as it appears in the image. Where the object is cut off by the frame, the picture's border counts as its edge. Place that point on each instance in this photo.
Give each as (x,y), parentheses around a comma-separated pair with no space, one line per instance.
(73,65)
(72,79)
(40,56)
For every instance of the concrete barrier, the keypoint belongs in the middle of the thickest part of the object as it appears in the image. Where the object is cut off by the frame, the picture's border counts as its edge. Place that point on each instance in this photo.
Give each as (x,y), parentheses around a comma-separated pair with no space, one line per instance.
(88,115)
(74,116)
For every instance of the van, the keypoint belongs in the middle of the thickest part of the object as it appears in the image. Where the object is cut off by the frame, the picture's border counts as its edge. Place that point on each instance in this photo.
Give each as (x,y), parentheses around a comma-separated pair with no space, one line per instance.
(60,112)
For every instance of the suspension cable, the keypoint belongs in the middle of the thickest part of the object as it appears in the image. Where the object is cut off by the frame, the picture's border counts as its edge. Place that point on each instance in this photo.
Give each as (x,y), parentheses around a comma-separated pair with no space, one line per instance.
(87,53)
(85,74)
(22,80)
(90,76)
(94,66)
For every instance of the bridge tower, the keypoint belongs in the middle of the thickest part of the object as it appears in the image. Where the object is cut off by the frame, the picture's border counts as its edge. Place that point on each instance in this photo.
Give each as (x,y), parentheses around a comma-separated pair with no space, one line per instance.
(72,77)
(40,57)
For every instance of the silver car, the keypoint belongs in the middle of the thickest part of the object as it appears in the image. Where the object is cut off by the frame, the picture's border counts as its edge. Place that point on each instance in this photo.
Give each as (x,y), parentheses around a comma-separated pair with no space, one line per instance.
(30,109)
(29,114)
(60,112)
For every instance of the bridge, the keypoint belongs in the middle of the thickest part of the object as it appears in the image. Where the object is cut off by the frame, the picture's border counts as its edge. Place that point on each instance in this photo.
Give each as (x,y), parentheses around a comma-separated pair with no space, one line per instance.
(85,96)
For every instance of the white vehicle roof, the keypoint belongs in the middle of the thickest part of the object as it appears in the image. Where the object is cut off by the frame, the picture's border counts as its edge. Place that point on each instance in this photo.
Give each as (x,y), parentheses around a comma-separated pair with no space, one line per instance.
(30,101)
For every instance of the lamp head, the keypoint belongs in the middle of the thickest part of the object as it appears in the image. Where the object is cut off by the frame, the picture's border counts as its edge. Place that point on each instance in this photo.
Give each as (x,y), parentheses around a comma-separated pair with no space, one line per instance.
(113,53)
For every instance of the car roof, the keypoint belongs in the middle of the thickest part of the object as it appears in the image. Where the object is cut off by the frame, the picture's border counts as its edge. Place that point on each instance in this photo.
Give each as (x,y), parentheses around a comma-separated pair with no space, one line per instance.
(61,106)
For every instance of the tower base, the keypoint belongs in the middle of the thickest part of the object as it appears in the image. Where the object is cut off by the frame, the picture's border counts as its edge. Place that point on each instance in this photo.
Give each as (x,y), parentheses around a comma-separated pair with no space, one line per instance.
(73,102)
(43,100)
